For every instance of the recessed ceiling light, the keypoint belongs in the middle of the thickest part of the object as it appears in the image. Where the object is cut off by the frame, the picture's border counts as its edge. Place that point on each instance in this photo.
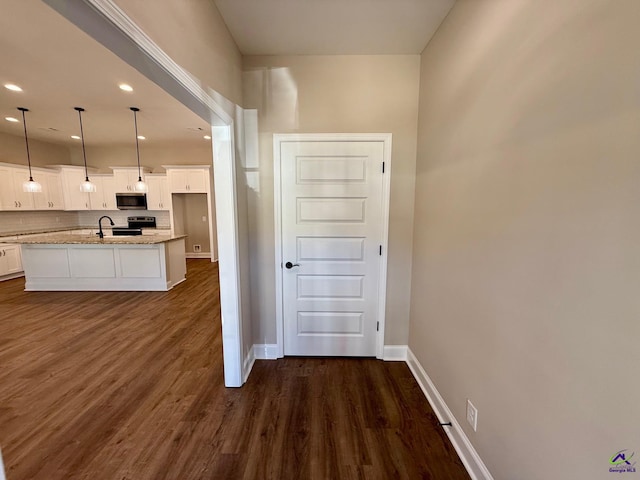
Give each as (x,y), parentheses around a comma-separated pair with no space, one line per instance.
(207,137)
(75,137)
(125,87)
(12,87)
(141,137)
(11,119)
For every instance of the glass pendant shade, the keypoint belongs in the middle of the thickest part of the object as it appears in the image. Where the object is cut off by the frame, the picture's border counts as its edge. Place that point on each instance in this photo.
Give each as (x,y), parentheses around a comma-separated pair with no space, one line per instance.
(87,186)
(30,186)
(140,186)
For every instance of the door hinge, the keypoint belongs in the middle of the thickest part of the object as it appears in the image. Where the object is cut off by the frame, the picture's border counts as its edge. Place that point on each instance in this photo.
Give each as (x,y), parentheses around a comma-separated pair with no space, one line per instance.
(382,167)
(377,326)
(380,250)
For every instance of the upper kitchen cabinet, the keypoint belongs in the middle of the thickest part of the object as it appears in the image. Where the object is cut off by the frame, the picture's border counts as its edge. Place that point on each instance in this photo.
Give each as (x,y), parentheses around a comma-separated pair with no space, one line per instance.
(51,197)
(104,198)
(126,178)
(12,195)
(158,197)
(74,199)
(188,179)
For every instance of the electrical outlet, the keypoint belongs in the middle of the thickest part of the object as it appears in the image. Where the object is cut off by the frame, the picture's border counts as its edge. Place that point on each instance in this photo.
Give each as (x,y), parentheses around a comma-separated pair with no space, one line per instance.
(204,218)
(197,248)
(472,415)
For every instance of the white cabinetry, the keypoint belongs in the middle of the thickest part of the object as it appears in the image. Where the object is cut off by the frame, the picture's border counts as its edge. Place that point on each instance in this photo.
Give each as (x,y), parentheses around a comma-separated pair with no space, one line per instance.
(158,197)
(188,179)
(74,199)
(12,196)
(104,198)
(10,260)
(126,178)
(51,197)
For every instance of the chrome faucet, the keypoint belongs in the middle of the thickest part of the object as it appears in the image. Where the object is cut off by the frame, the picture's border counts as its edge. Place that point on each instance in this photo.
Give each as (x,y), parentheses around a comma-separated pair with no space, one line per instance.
(100,233)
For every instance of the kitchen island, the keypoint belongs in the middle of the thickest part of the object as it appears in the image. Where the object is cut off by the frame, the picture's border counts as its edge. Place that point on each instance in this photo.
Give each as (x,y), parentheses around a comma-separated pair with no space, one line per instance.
(84,262)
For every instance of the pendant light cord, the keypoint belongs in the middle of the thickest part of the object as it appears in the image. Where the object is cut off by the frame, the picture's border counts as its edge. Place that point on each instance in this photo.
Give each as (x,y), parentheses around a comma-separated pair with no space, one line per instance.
(26,139)
(135,124)
(84,153)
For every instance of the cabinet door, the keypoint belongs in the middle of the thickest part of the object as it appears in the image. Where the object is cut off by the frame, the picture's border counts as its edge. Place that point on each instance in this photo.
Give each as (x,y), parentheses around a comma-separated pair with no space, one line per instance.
(10,259)
(125,179)
(109,192)
(7,200)
(22,200)
(54,185)
(197,180)
(104,198)
(51,196)
(157,197)
(188,180)
(74,198)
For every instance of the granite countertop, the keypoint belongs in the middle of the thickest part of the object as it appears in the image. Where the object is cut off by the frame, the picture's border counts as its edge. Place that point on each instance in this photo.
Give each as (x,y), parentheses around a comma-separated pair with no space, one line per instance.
(92,239)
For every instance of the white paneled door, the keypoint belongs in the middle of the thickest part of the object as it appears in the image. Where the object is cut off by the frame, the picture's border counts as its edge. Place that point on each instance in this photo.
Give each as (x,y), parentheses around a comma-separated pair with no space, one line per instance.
(331,239)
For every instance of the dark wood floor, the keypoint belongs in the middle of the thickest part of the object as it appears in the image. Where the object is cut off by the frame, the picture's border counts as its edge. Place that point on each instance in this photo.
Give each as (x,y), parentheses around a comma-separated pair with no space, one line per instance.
(129,386)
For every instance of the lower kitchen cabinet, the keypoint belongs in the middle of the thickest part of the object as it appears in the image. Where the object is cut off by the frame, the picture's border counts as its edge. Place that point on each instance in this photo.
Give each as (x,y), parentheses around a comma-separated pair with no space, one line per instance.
(10,261)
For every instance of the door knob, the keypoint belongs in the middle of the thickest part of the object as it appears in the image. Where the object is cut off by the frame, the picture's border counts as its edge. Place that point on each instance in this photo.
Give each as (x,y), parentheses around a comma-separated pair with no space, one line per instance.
(291,265)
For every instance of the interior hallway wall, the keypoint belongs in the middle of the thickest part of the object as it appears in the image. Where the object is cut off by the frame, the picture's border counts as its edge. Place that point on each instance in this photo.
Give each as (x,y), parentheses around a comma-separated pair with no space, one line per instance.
(526,258)
(193,33)
(333,94)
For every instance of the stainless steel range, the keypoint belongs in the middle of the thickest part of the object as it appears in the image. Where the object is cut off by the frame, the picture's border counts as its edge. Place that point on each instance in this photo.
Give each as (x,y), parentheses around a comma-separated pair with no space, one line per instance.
(135,226)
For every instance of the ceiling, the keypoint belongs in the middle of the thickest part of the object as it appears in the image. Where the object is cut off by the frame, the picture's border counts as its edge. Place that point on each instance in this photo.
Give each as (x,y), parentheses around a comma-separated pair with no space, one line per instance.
(332,27)
(60,67)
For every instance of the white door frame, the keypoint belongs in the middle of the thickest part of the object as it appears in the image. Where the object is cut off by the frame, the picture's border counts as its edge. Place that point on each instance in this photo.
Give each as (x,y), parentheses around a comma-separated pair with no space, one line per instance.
(278,139)
(109,24)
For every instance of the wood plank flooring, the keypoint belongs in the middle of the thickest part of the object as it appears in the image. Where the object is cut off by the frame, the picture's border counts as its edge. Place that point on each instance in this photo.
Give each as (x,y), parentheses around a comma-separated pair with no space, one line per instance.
(129,386)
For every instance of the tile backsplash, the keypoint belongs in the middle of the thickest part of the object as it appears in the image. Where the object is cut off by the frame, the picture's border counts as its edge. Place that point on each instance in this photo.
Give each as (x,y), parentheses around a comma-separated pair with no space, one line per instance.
(90,218)
(26,222)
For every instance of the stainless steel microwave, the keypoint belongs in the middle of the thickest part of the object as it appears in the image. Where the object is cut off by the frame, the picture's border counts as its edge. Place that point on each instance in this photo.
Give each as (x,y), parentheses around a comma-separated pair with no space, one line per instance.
(131,201)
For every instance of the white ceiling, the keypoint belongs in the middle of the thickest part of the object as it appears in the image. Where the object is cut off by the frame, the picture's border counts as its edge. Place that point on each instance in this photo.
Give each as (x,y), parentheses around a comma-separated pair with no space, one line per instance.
(332,27)
(60,67)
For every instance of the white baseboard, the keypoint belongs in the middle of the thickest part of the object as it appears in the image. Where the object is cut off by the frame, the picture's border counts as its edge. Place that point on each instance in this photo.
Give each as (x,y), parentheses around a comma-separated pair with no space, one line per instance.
(470,458)
(197,255)
(265,351)
(395,353)
(257,352)
(247,365)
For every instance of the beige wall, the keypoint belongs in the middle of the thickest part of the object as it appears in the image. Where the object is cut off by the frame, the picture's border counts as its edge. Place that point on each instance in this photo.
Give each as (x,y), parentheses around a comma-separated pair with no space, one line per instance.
(13,150)
(150,156)
(336,94)
(193,34)
(526,248)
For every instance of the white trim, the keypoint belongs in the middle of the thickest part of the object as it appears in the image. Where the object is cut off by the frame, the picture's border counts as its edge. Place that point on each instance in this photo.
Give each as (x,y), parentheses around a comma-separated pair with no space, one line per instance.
(395,353)
(473,463)
(2,475)
(198,255)
(249,360)
(258,352)
(278,138)
(106,22)
(265,351)
(123,23)
(229,268)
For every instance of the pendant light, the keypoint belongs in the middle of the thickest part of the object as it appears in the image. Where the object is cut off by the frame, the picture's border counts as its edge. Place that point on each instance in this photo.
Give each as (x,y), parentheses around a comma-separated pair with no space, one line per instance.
(30,185)
(140,186)
(87,186)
